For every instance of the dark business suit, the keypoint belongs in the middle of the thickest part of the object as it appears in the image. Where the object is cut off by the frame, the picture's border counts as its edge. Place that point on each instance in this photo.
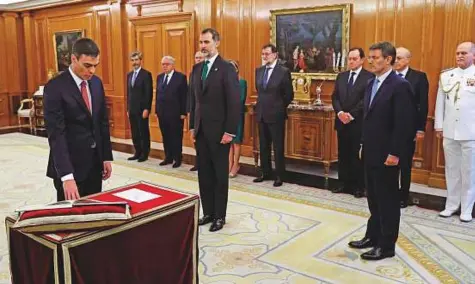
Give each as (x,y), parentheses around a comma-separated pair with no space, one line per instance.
(388,126)
(349,98)
(420,87)
(139,98)
(169,106)
(216,112)
(271,113)
(79,141)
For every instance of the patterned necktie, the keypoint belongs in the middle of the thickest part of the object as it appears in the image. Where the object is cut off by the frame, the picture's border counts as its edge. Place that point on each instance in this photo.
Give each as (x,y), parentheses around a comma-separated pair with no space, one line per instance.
(85,96)
(351,82)
(204,72)
(134,76)
(374,90)
(266,77)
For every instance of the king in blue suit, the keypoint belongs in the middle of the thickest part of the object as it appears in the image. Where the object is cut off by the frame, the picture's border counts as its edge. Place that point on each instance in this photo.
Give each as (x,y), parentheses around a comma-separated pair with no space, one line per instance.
(388,127)
(78,126)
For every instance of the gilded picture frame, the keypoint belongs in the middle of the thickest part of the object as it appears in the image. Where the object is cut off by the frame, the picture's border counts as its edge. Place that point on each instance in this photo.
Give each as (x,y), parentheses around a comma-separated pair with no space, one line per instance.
(63,45)
(312,40)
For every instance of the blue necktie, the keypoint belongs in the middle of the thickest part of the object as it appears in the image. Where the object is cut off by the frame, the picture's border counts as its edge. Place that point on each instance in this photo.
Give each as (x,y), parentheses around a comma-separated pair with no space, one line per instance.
(351,82)
(133,78)
(374,90)
(265,80)
(400,74)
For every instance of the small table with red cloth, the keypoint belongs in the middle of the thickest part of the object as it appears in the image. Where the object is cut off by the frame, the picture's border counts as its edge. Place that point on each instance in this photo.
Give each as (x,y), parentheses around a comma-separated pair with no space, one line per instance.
(159,244)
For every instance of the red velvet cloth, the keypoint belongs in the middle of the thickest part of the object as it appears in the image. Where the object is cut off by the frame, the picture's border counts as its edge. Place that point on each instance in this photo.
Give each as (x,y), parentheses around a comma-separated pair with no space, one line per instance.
(167,197)
(78,210)
(30,261)
(157,252)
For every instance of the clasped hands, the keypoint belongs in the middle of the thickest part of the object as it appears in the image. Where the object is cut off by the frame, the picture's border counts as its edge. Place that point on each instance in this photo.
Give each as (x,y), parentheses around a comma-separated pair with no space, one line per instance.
(224,140)
(345,117)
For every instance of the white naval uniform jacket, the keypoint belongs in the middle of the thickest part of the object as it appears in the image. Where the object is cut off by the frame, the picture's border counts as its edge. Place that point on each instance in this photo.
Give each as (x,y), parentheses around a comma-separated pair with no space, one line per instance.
(455,105)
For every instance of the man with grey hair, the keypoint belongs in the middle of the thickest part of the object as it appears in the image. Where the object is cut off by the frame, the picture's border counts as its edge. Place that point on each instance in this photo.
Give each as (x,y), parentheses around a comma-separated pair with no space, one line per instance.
(454,113)
(139,103)
(420,87)
(170,108)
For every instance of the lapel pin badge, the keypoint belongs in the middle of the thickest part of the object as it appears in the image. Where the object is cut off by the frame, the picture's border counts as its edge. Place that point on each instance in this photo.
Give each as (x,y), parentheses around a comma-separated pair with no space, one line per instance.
(215,69)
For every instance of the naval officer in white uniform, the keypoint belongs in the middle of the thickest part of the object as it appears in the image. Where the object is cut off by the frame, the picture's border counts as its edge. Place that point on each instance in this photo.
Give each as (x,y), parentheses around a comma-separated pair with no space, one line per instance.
(454,120)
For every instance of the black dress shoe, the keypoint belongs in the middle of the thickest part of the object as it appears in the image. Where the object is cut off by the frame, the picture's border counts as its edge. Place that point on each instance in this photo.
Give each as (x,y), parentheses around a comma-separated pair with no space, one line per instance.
(176,164)
(261,178)
(134,157)
(217,225)
(278,182)
(377,253)
(205,220)
(165,162)
(340,189)
(403,204)
(142,159)
(363,243)
(358,193)
(194,169)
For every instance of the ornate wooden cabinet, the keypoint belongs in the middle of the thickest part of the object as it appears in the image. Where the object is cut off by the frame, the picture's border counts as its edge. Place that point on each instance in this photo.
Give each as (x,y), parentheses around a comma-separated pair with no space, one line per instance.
(310,135)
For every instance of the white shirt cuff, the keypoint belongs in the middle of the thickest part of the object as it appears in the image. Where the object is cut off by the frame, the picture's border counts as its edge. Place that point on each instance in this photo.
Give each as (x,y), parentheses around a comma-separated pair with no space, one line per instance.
(232,135)
(67,177)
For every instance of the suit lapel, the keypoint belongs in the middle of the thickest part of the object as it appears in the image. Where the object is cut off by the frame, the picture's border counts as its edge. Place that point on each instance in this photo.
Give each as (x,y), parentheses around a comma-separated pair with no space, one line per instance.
(380,93)
(94,98)
(274,76)
(77,94)
(345,91)
(212,72)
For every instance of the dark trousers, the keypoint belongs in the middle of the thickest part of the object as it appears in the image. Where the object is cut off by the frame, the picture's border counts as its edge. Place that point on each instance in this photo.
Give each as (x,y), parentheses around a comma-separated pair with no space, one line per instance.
(272,134)
(140,134)
(350,167)
(91,185)
(213,174)
(383,201)
(172,136)
(406,170)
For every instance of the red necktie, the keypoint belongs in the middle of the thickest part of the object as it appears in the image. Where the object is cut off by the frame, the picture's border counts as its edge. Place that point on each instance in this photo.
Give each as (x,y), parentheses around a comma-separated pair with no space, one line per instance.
(85,96)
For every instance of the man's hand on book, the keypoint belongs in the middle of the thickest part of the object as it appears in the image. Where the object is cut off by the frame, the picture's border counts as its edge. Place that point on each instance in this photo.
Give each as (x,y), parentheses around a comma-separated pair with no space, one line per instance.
(70,190)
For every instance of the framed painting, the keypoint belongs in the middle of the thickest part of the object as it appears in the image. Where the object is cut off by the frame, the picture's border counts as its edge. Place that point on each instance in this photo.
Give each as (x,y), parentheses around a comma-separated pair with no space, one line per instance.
(63,46)
(312,40)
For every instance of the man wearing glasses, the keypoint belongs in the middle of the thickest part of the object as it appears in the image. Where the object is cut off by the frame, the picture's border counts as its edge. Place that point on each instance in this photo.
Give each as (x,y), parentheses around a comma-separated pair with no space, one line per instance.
(78,126)
(274,94)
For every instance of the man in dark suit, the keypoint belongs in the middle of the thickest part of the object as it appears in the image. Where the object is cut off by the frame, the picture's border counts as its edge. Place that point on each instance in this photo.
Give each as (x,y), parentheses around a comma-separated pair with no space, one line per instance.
(274,94)
(170,107)
(388,126)
(347,100)
(199,57)
(420,87)
(78,126)
(213,124)
(139,103)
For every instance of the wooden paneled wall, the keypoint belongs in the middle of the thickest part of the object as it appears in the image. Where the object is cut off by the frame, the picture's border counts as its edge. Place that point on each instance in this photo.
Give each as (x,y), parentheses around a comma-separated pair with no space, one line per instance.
(431,29)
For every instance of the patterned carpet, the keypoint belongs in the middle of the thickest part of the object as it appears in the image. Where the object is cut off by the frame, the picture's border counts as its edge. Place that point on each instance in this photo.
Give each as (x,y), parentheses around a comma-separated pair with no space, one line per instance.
(293,234)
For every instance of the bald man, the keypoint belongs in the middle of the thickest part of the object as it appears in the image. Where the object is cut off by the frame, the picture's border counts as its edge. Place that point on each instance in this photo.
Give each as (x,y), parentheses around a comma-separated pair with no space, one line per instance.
(454,115)
(420,87)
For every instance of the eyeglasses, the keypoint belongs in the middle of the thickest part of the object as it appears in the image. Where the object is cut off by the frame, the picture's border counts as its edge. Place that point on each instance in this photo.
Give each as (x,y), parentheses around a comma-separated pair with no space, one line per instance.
(266,53)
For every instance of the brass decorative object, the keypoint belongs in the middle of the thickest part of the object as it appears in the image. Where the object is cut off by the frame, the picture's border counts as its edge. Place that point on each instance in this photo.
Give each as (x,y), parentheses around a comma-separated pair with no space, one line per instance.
(301,84)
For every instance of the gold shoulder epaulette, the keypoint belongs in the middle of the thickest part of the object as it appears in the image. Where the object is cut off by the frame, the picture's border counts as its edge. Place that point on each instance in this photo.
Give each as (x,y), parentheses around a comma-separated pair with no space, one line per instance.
(448,69)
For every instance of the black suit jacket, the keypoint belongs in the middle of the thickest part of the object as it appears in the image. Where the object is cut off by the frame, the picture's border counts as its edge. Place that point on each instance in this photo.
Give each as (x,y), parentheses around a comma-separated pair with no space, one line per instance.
(420,87)
(388,123)
(171,97)
(272,101)
(216,100)
(139,97)
(350,100)
(72,130)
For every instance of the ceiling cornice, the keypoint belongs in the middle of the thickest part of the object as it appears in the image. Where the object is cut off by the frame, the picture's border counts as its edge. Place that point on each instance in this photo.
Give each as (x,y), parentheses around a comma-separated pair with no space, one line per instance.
(37,4)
